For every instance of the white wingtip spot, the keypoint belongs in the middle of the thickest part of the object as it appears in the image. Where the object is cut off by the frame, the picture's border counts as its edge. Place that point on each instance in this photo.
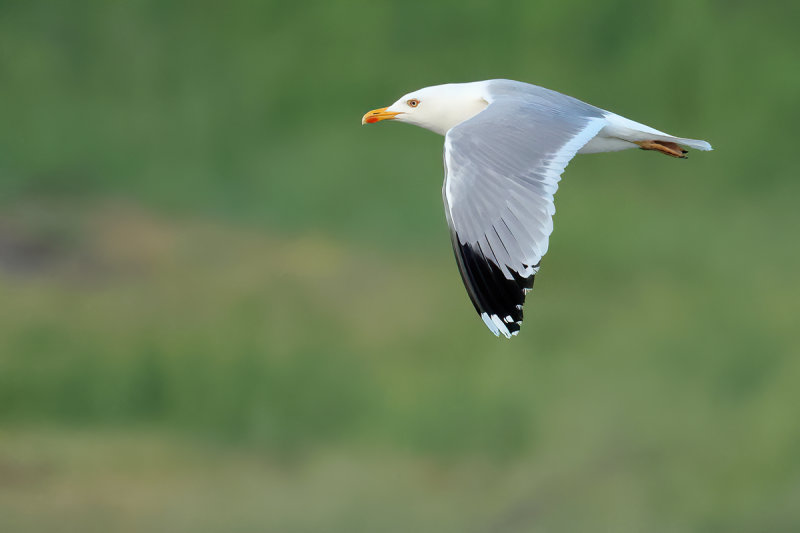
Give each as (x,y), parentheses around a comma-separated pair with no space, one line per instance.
(489,324)
(496,325)
(501,326)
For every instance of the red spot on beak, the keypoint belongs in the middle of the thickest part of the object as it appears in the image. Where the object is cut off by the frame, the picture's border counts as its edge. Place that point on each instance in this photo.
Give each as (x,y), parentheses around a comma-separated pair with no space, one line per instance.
(376,115)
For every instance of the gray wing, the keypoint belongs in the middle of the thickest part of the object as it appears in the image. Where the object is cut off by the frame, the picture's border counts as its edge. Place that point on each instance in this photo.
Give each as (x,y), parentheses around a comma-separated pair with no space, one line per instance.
(502,169)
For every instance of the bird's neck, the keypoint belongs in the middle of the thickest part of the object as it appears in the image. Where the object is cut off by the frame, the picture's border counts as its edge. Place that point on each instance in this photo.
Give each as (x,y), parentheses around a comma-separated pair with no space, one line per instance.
(453,115)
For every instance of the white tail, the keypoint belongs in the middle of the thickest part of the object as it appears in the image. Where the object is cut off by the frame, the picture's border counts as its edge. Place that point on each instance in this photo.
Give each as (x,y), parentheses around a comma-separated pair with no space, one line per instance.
(628,130)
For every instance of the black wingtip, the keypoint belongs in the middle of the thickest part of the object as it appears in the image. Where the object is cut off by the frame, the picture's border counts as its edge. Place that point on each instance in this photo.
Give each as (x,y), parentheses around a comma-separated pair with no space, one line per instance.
(497,298)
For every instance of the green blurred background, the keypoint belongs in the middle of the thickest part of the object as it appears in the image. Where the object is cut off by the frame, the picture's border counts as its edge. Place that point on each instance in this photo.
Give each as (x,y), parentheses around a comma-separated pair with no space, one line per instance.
(225,306)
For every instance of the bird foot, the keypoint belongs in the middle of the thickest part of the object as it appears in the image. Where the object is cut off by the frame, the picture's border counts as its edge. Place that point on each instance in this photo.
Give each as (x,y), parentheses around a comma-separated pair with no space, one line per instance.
(669,148)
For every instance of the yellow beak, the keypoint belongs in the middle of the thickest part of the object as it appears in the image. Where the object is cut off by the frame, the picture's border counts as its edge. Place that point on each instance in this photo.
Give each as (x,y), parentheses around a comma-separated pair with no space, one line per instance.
(377,115)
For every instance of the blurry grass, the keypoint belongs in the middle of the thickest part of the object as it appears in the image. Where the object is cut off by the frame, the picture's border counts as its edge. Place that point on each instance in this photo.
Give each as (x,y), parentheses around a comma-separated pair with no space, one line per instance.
(640,383)
(251,112)
(226,306)
(237,334)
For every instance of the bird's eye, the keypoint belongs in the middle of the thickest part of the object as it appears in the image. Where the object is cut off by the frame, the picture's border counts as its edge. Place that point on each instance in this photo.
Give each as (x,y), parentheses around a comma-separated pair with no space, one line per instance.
(413,102)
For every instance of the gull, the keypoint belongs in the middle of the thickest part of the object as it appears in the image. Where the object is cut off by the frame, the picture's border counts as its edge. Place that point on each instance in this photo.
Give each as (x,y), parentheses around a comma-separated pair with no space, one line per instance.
(506,144)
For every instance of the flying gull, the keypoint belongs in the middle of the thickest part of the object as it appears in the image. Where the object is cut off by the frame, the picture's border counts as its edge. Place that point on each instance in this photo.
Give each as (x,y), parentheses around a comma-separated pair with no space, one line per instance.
(506,144)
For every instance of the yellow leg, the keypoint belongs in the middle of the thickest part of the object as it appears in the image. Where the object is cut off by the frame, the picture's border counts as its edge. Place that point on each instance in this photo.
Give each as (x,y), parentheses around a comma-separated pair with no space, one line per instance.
(669,148)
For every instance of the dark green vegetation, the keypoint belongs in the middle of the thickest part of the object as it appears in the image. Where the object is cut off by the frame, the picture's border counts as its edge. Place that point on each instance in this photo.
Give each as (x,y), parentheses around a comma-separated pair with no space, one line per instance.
(228,307)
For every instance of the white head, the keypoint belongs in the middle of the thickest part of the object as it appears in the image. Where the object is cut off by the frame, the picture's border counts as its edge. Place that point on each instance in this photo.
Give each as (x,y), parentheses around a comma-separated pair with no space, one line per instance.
(436,108)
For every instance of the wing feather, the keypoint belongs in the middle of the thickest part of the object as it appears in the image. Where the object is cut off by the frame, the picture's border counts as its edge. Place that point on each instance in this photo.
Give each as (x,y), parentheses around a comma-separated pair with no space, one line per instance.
(502,168)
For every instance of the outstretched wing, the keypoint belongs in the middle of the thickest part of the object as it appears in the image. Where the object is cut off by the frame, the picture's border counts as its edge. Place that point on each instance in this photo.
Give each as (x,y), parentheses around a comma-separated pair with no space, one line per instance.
(502,168)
